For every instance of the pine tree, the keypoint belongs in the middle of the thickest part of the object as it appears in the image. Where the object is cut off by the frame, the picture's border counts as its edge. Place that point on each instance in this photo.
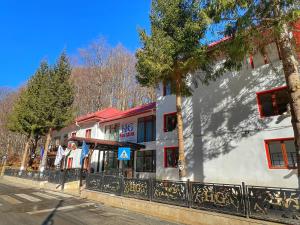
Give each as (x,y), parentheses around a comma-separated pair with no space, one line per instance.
(59,101)
(27,117)
(172,51)
(253,24)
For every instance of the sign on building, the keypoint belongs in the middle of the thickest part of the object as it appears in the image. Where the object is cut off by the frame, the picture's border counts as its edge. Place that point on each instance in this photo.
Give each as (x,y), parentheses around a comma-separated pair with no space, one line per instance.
(124,153)
(128,132)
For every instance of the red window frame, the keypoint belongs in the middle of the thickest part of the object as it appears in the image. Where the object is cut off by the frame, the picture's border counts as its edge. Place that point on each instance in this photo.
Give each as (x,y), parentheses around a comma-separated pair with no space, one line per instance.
(88,133)
(283,150)
(165,120)
(165,156)
(261,114)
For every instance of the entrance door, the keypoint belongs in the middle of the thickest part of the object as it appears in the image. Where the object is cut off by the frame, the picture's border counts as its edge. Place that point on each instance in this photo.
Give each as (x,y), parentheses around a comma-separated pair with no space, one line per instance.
(128,166)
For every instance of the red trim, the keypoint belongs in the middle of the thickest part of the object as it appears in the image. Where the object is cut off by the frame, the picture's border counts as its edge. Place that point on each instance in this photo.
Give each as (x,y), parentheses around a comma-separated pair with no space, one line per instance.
(271,90)
(261,114)
(165,155)
(165,121)
(283,150)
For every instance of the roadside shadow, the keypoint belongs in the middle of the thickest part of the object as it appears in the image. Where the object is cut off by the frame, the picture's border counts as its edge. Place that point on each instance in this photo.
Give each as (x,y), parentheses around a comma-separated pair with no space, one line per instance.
(49,219)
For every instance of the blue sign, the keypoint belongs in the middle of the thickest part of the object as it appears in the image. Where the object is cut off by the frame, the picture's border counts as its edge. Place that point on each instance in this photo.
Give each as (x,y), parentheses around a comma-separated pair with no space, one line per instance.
(124,153)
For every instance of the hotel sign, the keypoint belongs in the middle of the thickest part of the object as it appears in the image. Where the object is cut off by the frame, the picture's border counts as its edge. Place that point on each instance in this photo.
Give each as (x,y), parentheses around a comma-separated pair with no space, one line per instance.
(128,132)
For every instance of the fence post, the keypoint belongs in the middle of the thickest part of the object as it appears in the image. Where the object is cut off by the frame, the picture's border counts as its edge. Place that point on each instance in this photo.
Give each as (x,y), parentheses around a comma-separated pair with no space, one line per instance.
(245,198)
(122,185)
(150,188)
(188,193)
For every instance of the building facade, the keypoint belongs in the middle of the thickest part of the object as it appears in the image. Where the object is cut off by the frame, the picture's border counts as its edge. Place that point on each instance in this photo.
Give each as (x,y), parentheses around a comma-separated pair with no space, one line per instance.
(236,129)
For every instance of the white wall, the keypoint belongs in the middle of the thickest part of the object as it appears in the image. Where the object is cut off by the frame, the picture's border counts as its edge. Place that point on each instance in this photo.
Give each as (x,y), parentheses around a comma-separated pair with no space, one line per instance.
(223,132)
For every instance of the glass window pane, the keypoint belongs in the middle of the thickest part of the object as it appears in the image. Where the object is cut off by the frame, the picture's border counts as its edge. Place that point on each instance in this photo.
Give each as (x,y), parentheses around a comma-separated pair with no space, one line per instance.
(141,132)
(291,153)
(172,157)
(276,153)
(171,122)
(282,100)
(149,130)
(266,104)
(168,88)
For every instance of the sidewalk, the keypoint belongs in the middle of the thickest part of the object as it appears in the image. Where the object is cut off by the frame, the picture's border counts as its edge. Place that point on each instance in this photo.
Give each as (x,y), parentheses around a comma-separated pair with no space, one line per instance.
(71,188)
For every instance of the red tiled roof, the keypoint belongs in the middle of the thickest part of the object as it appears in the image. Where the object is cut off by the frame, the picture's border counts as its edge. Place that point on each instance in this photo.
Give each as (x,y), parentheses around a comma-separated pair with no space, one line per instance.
(133,111)
(99,115)
(110,114)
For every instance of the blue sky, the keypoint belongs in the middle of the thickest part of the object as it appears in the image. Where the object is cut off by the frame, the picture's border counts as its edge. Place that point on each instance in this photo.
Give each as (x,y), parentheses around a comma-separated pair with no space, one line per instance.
(34,30)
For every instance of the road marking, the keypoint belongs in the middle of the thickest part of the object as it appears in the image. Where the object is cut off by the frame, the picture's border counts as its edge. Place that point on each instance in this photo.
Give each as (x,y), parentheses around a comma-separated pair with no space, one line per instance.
(61,208)
(10,200)
(59,194)
(28,197)
(43,195)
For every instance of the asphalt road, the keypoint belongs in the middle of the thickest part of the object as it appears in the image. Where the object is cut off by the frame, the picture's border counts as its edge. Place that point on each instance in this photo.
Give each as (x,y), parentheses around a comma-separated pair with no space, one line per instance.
(21,205)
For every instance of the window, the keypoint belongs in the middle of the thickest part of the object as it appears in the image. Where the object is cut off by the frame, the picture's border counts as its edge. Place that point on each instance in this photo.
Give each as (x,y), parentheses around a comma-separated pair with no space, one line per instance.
(171,157)
(111,160)
(73,134)
(146,161)
(273,102)
(170,122)
(112,132)
(70,162)
(146,129)
(167,88)
(281,153)
(88,133)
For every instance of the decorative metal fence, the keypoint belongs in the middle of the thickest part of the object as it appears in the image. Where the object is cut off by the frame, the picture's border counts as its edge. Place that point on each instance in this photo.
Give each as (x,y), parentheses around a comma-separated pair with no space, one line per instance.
(52,176)
(137,188)
(267,203)
(171,192)
(273,204)
(218,197)
(276,204)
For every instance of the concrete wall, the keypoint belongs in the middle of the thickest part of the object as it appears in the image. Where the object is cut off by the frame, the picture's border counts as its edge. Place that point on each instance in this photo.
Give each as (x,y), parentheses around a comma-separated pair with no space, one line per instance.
(223,132)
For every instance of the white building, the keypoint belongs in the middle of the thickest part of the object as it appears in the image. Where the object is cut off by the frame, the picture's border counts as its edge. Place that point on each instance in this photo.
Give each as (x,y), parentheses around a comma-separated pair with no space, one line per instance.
(110,128)
(237,129)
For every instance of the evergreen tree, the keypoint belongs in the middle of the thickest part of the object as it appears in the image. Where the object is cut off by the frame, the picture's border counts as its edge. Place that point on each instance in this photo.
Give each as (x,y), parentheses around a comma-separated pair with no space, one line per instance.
(253,24)
(59,100)
(172,51)
(27,116)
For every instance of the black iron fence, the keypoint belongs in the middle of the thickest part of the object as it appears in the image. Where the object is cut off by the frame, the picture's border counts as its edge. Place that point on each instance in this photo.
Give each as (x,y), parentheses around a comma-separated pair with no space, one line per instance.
(278,204)
(52,176)
(274,204)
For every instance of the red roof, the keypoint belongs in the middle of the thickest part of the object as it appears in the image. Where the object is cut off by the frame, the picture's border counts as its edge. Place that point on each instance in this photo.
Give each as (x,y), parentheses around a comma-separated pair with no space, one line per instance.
(110,114)
(133,111)
(99,115)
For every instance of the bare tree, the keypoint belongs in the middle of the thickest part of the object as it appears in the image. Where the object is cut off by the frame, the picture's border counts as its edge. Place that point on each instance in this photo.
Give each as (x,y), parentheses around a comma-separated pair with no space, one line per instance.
(105,76)
(11,144)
